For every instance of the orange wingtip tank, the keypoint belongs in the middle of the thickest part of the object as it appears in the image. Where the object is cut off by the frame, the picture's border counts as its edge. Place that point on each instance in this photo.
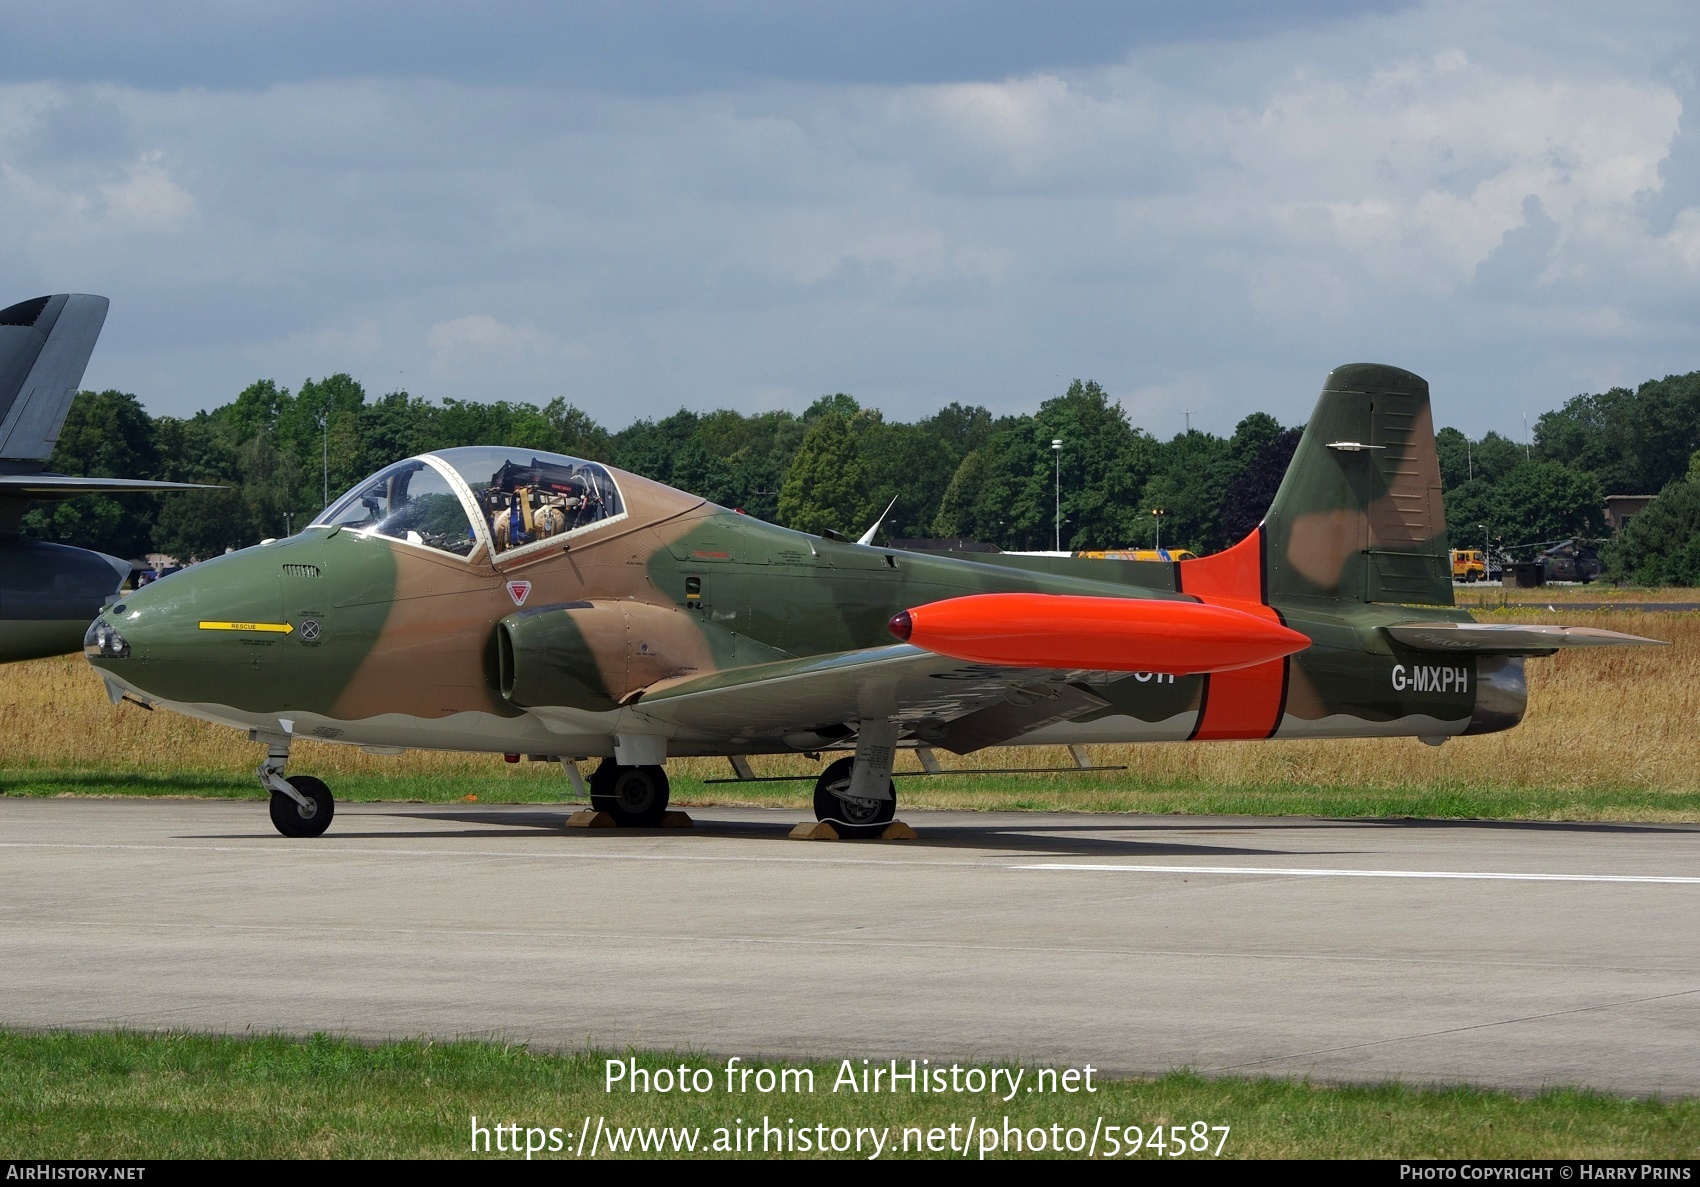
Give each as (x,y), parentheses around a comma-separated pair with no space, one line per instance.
(1026,630)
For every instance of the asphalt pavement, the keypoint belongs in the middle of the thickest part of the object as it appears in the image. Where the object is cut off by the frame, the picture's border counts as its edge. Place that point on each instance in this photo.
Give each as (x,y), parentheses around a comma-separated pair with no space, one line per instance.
(1519,955)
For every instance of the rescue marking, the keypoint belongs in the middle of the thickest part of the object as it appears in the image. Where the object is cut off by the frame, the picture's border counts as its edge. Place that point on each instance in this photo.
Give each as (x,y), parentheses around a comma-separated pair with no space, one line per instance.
(278,628)
(519,591)
(1463,875)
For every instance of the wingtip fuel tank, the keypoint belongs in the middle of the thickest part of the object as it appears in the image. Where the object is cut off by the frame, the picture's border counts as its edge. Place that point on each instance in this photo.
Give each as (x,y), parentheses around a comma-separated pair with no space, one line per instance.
(1061,631)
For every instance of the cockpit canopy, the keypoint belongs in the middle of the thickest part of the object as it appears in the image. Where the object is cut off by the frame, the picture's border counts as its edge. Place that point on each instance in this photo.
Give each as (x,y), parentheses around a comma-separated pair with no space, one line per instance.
(507,500)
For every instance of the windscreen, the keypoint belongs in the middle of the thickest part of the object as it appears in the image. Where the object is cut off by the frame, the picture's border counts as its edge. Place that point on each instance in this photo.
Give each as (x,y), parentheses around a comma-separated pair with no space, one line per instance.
(527,497)
(410,501)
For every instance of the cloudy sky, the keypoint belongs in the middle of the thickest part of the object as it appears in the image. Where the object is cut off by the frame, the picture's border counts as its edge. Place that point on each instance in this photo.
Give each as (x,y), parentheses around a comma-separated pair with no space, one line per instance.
(642,206)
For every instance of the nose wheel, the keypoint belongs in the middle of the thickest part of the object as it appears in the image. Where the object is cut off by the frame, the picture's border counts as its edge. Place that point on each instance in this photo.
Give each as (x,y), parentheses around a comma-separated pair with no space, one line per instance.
(293,818)
(301,805)
(851,816)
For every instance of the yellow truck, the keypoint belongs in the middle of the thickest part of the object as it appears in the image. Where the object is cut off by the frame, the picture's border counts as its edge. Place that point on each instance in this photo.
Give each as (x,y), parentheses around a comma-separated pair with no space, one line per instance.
(1468,565)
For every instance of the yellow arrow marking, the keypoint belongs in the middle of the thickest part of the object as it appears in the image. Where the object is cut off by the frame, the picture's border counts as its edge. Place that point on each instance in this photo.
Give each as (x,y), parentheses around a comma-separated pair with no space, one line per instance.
(279,628)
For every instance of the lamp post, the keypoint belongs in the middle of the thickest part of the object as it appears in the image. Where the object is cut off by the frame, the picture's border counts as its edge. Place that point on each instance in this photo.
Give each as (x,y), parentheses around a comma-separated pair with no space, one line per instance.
(325,423)
(1157,514)
(1056,453)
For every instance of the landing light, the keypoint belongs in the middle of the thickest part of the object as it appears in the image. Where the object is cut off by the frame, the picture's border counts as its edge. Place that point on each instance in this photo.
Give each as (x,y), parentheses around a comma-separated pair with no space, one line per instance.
(104,642)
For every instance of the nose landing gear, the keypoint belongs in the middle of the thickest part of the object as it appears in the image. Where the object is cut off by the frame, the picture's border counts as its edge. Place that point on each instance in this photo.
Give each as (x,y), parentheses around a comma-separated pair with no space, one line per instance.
(294,818)
(301,806)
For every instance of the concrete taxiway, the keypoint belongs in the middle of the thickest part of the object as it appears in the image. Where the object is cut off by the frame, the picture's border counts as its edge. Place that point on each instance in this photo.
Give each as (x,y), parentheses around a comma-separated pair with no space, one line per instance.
(1492,953)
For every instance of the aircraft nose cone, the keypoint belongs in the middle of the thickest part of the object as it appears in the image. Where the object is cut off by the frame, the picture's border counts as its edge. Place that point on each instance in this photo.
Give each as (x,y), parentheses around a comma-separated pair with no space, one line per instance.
(103,640)
(182,638)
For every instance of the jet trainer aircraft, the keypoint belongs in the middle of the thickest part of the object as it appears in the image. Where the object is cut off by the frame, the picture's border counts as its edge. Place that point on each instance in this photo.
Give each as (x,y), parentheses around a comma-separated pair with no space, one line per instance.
(504,600)
(48,592)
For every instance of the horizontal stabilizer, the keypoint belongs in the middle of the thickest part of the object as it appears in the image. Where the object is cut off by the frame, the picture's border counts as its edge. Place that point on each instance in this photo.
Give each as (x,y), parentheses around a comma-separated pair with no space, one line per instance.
(1507,638)
(66,486)
(1107,634)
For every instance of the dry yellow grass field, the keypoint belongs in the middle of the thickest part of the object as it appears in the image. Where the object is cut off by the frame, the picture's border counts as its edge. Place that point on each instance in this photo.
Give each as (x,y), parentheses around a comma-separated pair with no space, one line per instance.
(1618,719)
(1560,595)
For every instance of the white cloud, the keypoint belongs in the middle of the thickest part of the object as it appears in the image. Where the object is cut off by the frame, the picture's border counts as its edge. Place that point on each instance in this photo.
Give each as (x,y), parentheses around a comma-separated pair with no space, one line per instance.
(146,198)
(1214,223)
(478,341)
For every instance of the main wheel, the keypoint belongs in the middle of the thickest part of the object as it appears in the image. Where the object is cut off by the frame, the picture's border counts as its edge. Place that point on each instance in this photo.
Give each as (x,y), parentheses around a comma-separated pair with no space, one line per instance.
(293,820)
(857,819)
(636,797)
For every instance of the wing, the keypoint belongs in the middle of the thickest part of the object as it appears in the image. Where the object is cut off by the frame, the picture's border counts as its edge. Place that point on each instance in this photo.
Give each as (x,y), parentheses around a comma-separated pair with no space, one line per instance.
(943,701)
(1506,638)
(65,486)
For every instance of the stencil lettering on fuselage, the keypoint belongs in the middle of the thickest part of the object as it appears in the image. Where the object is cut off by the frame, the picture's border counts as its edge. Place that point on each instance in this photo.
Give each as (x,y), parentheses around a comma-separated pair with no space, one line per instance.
(1430,678)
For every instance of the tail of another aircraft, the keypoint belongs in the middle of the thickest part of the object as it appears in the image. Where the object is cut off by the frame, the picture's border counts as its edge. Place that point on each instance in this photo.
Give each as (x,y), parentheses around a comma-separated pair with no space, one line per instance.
(1358,517)
(45,345)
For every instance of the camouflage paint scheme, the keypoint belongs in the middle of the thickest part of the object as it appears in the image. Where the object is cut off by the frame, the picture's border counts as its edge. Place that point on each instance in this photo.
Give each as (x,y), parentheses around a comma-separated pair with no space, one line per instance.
(685,625)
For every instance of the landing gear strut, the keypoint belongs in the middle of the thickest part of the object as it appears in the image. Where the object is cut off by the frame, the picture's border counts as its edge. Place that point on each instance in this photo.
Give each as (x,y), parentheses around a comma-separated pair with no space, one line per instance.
(636,797)
(853,817)
(301,805)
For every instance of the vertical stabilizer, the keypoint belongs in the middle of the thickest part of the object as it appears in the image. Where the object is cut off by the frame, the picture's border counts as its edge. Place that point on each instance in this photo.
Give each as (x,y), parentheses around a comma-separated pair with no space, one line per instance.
(45,344)
(1359,517)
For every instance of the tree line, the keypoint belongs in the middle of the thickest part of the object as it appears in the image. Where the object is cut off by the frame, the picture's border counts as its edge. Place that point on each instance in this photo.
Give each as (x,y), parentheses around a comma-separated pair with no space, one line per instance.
(959,473)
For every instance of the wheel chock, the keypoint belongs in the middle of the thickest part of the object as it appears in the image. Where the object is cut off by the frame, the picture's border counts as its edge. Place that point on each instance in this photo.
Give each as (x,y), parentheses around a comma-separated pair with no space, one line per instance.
(818,830)
(676,820)
(586,818)
(898,831)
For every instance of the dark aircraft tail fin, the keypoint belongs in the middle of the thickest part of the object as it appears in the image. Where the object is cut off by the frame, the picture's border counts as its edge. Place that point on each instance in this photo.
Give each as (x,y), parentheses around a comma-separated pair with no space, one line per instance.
(1358,517)
(45,345)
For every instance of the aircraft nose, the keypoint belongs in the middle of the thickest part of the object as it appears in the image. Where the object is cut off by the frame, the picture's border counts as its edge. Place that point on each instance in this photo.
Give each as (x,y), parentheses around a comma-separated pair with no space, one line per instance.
(194,634)
(103,641)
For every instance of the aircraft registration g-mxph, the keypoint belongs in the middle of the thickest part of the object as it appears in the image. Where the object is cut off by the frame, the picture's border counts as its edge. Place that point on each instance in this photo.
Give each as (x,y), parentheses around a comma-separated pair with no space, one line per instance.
(503,600)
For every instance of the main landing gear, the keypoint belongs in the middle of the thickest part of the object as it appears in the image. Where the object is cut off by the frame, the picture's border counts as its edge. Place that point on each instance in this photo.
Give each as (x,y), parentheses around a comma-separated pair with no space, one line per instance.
(301,805)
(853,817)
(636,797)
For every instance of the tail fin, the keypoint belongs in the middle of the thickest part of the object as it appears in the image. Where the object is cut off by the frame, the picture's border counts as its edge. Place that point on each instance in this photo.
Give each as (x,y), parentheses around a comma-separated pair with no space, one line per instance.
(45,345)
(1358,517)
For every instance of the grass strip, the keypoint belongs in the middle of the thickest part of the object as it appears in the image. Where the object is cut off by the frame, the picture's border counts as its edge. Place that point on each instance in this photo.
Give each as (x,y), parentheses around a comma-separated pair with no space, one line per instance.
(1107,792)
(133,1096)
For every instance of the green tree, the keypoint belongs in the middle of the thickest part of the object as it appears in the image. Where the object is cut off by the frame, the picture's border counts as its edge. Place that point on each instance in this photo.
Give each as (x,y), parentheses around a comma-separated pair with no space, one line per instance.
(105,435)
(395,426)
(197,525)
(959,509)
(1661,545)
(1535,502)
(826,487)
(1632,442)
(1004,490)
(1260,450)
(1455,457)
(1188,487)
(752,454)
